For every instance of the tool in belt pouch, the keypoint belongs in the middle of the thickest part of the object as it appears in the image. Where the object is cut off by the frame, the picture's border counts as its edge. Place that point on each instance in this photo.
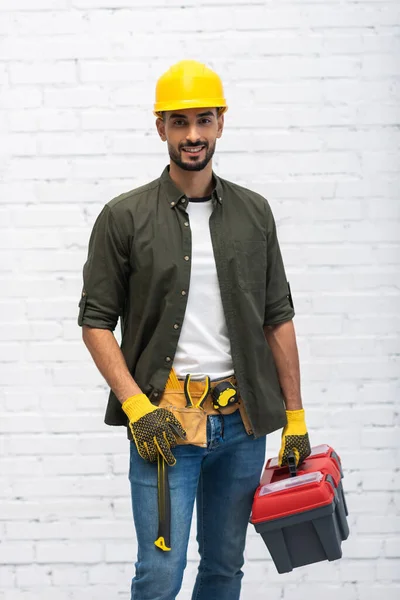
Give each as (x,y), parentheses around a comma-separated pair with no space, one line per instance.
(191,402)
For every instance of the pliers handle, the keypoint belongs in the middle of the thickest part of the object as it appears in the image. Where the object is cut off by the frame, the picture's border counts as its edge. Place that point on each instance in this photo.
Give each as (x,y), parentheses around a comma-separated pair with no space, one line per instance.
(200,402)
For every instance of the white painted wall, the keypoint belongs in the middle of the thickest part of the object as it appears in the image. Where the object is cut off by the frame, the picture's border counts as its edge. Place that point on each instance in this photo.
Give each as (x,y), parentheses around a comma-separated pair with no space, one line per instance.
(313,124)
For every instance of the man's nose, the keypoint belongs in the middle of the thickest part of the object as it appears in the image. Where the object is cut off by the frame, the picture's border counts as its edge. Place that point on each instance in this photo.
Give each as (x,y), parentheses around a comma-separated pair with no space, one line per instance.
(193,135)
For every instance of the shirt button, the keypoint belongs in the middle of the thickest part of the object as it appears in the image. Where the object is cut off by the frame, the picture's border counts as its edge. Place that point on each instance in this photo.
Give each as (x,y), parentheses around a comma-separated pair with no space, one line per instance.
(172,203)
(176,326)
(183,293)
(168,359)
(183,200)
(155,394)
(186,224)
(186,257)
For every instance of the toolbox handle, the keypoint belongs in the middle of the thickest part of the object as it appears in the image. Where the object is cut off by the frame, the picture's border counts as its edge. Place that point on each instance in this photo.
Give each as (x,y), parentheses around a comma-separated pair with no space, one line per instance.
(291,461)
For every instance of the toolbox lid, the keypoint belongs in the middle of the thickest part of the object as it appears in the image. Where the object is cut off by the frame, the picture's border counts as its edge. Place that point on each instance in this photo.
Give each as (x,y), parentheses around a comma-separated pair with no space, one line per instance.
(286,484)
(293,495)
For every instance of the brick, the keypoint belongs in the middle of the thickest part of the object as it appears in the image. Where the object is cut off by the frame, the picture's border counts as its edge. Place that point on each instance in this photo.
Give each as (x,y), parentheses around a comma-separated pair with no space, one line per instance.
(58,47)
(43,120)
(50,553)
(56,352)
(51,309)
(380,525)
(119,552)
(109,441)
(359,324)
(384,480)
(36,216)
(82,465)
(41,261)
(71,144)
(7,578)
(11,352)
(356,570)
(72,487)
(38,5)
(20,144)
(82,400)
(44,330)
(352,346)
(70,576)
(392,547)
(76,238)
(371,304)
(74,97)
(33,576)
(43,72)
(40,168)
(388,570)
(362,547)
(5,218)
(16,553)
(370,504)
(122,119)
(389,591)
(379,437)
(96,72)
(29,238)
(44,444)
(49,509)
(44,21)
(312,590)
(11,311)
(109,573)
(45,594)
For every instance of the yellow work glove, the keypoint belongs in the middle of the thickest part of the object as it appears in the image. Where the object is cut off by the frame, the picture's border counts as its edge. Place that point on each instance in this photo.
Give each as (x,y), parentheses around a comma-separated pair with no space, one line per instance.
(154,429)
(294,438)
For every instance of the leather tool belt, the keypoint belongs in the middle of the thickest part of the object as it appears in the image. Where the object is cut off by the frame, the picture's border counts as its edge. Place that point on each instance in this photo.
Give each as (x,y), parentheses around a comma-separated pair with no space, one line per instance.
(194,419)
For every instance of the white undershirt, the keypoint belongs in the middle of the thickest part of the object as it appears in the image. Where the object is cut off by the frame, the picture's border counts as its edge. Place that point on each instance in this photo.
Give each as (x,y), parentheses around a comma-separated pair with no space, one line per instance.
(203,347)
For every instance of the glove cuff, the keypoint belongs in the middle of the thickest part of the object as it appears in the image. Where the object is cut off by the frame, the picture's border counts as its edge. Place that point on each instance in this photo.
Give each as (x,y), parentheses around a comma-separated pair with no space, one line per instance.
(295,416)
(135,407)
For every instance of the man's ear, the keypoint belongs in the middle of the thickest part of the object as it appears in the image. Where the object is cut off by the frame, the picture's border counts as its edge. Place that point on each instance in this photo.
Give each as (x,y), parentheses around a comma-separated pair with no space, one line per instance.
(160,124)
(220,123)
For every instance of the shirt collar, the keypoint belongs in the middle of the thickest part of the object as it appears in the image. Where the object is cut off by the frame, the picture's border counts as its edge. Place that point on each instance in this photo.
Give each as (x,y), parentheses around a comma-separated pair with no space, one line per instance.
(176,196)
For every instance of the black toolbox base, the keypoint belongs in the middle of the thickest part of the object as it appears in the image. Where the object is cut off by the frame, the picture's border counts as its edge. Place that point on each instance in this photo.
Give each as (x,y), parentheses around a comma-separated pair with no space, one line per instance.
(307,537)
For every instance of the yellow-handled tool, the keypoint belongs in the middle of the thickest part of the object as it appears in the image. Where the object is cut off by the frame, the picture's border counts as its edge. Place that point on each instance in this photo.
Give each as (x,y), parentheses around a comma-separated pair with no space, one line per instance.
(186,389)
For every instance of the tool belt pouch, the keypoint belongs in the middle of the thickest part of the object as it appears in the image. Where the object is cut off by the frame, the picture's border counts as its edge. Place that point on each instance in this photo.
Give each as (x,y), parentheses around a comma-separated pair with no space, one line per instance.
(193,420)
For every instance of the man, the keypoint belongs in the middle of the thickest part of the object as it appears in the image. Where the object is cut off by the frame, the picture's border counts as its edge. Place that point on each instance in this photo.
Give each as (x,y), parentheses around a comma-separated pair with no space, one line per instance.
(208,363)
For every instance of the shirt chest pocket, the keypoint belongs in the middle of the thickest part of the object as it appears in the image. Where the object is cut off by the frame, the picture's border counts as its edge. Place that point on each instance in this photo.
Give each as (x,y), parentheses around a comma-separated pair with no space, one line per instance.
(251,261)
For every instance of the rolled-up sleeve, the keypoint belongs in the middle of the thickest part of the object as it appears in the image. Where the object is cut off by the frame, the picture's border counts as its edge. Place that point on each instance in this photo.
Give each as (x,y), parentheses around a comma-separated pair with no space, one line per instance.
(278,300)
(105,275)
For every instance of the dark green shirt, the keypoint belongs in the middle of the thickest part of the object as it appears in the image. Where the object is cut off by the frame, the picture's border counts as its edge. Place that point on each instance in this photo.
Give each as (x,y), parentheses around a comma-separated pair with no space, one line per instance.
(138,269)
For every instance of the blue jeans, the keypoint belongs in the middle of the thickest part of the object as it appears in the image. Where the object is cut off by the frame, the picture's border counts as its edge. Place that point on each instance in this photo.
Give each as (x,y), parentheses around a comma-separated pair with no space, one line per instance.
(222,478)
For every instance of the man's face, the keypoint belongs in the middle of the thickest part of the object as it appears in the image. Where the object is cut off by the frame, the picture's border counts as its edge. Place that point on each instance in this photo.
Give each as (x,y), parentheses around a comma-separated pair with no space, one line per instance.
(191,136)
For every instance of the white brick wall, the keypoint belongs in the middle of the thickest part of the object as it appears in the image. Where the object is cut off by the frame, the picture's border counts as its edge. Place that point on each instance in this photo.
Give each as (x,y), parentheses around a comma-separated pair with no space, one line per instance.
(314,90)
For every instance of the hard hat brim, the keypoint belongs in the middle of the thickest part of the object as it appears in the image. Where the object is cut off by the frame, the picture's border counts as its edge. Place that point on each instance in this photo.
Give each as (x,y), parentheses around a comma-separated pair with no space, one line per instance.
(219,103)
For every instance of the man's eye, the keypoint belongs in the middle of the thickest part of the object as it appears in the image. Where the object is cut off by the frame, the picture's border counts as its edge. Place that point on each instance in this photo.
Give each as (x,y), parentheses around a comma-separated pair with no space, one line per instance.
(179,122)
(205,121)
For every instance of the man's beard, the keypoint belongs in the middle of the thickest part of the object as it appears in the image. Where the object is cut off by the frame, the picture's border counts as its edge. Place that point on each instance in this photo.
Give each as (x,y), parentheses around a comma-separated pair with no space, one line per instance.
(175,156)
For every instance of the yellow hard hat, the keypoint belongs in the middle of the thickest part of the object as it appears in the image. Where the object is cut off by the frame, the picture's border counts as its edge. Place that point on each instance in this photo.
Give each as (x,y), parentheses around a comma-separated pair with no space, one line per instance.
(189,84)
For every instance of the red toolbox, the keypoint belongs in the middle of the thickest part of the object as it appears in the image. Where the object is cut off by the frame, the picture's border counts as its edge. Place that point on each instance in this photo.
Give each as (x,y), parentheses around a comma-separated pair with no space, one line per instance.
(302,517)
